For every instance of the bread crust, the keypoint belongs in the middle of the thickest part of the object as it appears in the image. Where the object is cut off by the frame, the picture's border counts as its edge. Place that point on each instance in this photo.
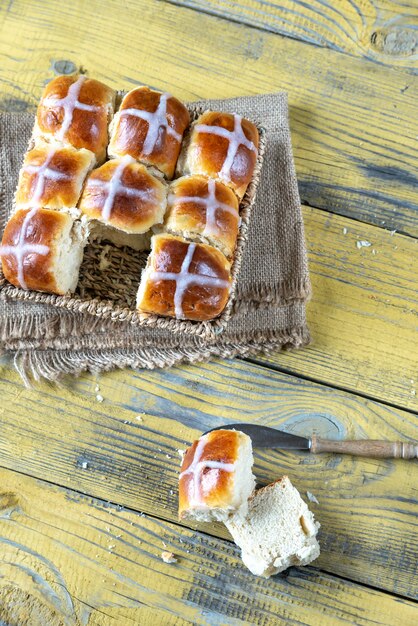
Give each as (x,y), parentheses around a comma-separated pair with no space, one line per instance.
(206,209)
(204,286)
(207,486)
(59,118)
(52,177)
(41,237)
(124,194)
(156,140)
(222,146)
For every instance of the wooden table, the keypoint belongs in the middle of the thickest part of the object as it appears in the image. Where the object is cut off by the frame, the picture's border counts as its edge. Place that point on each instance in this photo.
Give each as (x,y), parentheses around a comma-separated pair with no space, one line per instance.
(87,488)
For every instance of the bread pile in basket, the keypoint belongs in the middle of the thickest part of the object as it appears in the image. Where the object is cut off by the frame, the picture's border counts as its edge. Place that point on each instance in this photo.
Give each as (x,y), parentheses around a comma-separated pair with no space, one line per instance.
(93,173)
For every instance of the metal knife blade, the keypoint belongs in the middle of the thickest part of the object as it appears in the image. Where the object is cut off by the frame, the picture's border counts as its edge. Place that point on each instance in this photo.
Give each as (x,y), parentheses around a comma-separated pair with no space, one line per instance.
(266,437)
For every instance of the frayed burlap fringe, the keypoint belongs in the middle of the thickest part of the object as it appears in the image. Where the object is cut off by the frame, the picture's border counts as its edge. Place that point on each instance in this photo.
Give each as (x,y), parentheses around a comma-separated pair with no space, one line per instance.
(294,337)
(54,364)
(38,326)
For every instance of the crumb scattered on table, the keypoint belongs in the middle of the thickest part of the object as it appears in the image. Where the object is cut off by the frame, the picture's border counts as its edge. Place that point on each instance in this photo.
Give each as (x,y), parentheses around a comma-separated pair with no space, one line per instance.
(311,497)
(363,244)
(168,557)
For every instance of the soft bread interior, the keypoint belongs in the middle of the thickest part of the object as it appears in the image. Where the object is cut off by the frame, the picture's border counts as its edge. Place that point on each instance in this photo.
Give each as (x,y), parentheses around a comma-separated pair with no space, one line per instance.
(242,487)
(70,247)
(278,530)
(102,232)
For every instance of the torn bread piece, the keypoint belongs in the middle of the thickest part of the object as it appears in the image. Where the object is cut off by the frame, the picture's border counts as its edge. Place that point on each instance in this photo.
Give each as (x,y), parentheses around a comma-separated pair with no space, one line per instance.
(278,530)
(216,477)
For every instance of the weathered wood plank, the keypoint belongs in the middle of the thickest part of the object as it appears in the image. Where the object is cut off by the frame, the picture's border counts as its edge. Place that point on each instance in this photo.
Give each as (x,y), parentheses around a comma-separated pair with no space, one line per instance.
(68,559)
(353,121)
(367,507)
(363,314)
(379,30)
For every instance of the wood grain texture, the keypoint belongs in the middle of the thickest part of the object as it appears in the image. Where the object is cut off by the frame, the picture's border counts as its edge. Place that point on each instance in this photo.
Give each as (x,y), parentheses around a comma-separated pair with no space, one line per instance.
(363,313)
(74,560)
(367,507)
(353,121)
(370,448)
(380,30)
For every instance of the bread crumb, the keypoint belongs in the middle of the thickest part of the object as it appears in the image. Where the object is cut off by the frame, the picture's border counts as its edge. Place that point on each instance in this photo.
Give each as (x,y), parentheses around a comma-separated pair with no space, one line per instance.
(99,398)
(139,418)
(311,497)
(168,557)
(392,232)
(344,231)
(104,262)
(168,456)
(363,244)
(181,453)
(84,465)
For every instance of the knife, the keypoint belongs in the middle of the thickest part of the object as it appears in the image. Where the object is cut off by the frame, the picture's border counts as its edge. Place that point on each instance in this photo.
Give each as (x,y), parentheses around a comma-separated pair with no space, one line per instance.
(266,437)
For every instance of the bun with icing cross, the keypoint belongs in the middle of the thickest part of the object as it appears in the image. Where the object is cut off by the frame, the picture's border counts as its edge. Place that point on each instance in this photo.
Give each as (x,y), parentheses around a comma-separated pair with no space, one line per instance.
(216,478)
(204,210)
(124,200)
(184,280)
(76,111)
(223,146)
(149,126)
(52,177)
(42,250)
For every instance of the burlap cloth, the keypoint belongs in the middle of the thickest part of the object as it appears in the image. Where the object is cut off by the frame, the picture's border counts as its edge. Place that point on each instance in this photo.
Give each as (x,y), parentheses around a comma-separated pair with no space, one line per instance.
(273,285)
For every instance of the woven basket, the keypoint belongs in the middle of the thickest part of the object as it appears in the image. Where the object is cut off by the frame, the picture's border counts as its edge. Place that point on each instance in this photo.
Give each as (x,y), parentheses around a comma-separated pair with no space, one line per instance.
(110,275)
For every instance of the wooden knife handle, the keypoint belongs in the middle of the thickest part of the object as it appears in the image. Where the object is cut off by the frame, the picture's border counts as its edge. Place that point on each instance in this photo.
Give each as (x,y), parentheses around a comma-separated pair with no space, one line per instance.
(367,447)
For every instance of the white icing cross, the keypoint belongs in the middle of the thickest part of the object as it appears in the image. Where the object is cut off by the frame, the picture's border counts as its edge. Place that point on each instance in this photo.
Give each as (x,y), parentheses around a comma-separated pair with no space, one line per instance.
(43,173)
(197,466)
(114,187)
(184,280)
(155,120)
(236,139)
(69,104)
(21,249)
(211,205)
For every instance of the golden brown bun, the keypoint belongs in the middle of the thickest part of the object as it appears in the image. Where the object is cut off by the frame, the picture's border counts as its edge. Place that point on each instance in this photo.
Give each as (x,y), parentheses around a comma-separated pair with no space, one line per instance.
(184,280)
(204,210)
(52,177)
(42,250)
(222,146)
(156,141)
(60,118)
(215,477)
(123,194)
